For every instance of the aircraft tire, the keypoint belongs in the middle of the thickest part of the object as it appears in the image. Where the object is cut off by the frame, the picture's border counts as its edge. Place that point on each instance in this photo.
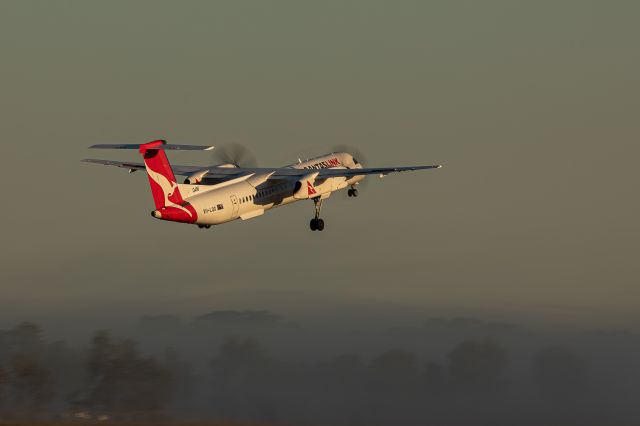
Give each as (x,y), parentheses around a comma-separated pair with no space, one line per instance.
(320,225)
(313,225)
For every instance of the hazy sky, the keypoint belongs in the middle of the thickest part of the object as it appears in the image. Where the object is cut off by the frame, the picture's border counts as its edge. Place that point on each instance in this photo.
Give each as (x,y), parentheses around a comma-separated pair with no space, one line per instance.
(532,106)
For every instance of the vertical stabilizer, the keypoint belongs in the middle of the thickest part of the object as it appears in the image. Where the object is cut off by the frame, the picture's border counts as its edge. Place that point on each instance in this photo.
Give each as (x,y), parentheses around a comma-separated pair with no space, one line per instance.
(166,194)
(161,178)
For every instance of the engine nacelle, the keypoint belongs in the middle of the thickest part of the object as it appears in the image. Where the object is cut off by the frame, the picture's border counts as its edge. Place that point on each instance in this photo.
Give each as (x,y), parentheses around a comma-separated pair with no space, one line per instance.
(306,187)
(196,178)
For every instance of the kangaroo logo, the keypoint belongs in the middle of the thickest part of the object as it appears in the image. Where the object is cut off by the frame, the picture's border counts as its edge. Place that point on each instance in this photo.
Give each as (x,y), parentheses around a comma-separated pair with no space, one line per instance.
(169,189)
(310,189)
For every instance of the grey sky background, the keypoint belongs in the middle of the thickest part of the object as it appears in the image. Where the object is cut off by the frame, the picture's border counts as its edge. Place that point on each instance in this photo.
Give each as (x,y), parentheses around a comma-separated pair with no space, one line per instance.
(531,106)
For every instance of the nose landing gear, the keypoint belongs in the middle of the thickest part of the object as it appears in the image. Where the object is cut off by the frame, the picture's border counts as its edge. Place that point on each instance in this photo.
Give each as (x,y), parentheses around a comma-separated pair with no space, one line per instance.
(352,192)
(204,226)
(317,224)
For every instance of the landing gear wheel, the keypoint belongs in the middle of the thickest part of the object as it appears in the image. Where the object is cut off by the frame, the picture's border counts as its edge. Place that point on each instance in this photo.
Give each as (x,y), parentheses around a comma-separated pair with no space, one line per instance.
(352,192)
(317,224)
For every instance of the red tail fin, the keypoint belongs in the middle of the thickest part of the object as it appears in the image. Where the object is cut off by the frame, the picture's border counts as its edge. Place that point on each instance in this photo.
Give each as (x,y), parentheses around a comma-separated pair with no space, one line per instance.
(166,194)
(161,178)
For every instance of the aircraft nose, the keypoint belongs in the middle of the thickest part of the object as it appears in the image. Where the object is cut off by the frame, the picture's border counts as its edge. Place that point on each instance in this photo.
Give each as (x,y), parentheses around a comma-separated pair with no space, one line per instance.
(156,214)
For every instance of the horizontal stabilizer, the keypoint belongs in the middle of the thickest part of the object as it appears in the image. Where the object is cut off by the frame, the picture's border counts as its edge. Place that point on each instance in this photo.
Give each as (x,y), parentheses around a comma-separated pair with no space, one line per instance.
(163,146)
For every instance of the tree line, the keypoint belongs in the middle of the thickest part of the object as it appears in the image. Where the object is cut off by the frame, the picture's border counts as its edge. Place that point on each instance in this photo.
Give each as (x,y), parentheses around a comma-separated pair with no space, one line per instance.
(242,380)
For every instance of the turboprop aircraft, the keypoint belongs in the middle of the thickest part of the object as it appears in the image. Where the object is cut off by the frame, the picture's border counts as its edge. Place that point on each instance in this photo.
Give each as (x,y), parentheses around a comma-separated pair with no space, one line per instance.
(221,193)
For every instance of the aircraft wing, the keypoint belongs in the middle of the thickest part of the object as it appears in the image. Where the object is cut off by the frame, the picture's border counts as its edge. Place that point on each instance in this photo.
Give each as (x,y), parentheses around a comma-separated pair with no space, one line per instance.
(287,172)
(178,170)
(213,171)
(382,171)
(276,173)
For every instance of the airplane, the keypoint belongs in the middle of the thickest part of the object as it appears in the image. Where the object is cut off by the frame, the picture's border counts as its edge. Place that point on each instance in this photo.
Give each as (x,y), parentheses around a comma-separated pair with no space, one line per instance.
(225,192)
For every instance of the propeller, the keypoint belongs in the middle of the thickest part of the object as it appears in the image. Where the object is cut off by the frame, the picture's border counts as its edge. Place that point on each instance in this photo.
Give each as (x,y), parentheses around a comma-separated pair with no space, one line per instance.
(235,153)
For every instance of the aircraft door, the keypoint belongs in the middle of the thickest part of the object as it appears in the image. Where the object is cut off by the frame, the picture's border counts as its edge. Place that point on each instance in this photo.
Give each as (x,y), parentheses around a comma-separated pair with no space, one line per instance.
(235,205)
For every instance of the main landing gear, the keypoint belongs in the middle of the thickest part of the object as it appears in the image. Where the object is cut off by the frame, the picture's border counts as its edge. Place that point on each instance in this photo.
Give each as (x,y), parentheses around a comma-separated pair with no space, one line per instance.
(204,226)
(352,192)
(316,223)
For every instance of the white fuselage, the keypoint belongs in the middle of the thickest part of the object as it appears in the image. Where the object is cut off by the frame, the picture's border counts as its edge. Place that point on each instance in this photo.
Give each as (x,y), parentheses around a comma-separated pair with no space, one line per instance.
(250,196)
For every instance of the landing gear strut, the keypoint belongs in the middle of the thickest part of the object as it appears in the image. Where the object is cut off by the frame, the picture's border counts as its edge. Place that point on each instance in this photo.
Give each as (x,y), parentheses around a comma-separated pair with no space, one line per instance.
(316,223)
(352,192)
